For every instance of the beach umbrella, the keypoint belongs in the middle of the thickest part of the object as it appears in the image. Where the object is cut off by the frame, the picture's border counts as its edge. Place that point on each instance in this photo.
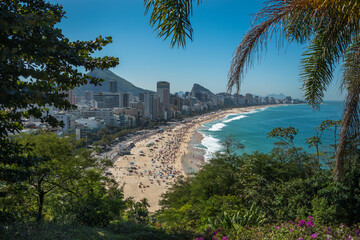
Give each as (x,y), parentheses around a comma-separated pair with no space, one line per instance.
(132,163)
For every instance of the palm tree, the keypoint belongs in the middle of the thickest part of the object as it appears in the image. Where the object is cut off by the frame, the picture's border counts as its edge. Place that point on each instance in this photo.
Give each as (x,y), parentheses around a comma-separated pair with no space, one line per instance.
(330,27)
(145,203)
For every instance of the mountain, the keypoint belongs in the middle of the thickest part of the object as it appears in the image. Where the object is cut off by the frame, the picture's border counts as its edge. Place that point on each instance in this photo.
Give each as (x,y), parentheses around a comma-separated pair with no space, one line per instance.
(279,96)
(199,91)
(180,93)
(122,84)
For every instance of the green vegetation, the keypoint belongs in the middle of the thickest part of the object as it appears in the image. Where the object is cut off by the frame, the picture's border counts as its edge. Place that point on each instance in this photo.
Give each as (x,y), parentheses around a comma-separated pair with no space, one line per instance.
(245,196)
(38,66)
(67,195)
(107,135)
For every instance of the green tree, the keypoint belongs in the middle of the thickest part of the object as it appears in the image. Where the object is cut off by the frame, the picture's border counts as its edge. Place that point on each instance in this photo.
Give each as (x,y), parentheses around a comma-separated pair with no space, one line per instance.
(38,66)
(329,28)
(62,168)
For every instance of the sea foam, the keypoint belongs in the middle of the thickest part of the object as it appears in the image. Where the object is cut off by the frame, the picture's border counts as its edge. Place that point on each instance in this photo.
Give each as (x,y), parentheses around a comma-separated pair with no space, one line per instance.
(211,144)
(234,118)
(217,127)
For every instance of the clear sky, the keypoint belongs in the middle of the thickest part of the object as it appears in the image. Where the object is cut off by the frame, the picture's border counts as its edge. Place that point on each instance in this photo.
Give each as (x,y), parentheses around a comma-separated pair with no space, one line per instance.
(219,26)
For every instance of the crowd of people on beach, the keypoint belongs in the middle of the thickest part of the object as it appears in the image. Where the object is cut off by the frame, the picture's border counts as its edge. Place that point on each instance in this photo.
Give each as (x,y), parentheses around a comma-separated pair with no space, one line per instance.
(162,154)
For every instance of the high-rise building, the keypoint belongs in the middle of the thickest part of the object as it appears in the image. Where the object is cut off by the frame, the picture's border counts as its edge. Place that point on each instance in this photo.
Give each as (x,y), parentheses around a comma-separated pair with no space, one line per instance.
(113,86)
(71,96)
(249,99)
(148,105)
(176,102)
(163,91)
(125,99)
(151,106)
(88,96)
(107,100)
(141,97)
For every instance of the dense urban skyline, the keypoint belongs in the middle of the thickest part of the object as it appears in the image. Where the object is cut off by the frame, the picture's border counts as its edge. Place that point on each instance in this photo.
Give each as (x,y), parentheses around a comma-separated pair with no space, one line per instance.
(218,28)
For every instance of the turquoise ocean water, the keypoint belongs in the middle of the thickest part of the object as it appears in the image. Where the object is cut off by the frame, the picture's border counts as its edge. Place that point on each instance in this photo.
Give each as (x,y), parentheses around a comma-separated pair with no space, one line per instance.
(251,128)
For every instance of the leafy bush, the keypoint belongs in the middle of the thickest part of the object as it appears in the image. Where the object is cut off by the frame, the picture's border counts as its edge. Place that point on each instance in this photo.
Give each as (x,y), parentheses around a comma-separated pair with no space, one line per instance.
(251,217)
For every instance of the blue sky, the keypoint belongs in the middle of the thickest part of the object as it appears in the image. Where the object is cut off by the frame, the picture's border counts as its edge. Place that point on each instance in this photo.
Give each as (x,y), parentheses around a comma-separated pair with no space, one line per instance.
(219,26)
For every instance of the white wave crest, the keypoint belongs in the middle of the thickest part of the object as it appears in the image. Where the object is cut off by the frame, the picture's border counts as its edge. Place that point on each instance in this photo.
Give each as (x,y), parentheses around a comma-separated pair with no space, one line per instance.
(234,118)
(217,127)
(212,145)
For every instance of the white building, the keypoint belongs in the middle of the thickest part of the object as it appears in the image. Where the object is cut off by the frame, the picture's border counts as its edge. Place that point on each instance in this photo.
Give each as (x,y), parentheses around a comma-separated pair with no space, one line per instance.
(66,119)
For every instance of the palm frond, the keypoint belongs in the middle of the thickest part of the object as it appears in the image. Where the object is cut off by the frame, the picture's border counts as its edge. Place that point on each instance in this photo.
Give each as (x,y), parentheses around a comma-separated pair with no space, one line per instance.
(270,17)
(320,61)
(298,20)
(171,18)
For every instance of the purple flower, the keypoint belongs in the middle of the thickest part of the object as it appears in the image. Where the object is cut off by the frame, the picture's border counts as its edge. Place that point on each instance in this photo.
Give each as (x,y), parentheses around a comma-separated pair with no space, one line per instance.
(310,217)
(246,226)
(357,233)
(314,235)
(302,223)
(225,238)
(309,224)
(291,230)
(216,232)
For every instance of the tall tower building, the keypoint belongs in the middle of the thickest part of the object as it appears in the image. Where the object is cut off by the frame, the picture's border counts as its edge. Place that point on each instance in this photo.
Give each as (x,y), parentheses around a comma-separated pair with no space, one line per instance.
(249,99)
(113,86)
(71,96)
(151,106)
(163,90)
(148,105)
(125,99)
(88,97)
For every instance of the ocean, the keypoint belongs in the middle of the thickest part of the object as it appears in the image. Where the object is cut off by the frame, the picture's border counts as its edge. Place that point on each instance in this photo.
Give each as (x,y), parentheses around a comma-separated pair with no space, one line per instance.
(251,128)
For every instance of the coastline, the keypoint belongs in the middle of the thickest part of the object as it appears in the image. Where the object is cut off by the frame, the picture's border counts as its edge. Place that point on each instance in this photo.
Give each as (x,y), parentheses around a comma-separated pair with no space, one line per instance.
(150,170)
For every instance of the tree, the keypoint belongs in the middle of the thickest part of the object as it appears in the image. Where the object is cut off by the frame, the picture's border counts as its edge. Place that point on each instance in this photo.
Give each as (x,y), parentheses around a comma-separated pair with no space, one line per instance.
(39,65)
(67,185)
(61,169)
(331,30)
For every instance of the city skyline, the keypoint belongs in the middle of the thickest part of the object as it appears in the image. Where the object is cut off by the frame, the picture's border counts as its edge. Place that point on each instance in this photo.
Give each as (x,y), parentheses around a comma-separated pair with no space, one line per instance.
(218,28)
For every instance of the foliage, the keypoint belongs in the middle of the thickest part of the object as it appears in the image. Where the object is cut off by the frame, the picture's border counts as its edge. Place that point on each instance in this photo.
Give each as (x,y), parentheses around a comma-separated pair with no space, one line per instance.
(66,185)
(284,184)
(39,65)
(137,211)
(105,136)
(171,18)
(301,229)
(238,220)
(114,231)
(234,183)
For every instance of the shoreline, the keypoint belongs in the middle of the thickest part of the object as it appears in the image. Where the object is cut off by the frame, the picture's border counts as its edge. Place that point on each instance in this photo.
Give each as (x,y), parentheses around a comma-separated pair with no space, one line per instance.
(159,160)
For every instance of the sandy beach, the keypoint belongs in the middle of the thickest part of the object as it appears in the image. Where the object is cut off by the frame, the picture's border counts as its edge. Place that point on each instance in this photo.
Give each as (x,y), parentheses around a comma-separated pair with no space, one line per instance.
(157,161)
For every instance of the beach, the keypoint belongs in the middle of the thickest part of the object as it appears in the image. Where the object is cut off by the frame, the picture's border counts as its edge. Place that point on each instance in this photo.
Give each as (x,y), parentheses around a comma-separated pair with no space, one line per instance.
(165,157)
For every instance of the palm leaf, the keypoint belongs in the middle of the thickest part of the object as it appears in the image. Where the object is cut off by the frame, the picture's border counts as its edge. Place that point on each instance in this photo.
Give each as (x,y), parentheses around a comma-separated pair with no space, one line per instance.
(171,18)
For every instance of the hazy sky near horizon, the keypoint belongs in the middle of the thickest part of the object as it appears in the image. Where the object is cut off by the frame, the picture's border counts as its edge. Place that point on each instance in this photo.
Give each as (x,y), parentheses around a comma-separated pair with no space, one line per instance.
(219,26)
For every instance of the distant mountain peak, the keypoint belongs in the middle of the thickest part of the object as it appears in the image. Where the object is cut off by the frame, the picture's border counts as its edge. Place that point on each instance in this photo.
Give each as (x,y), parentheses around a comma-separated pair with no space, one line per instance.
(202,93)
(198,88)
(278,96)
(122,84)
